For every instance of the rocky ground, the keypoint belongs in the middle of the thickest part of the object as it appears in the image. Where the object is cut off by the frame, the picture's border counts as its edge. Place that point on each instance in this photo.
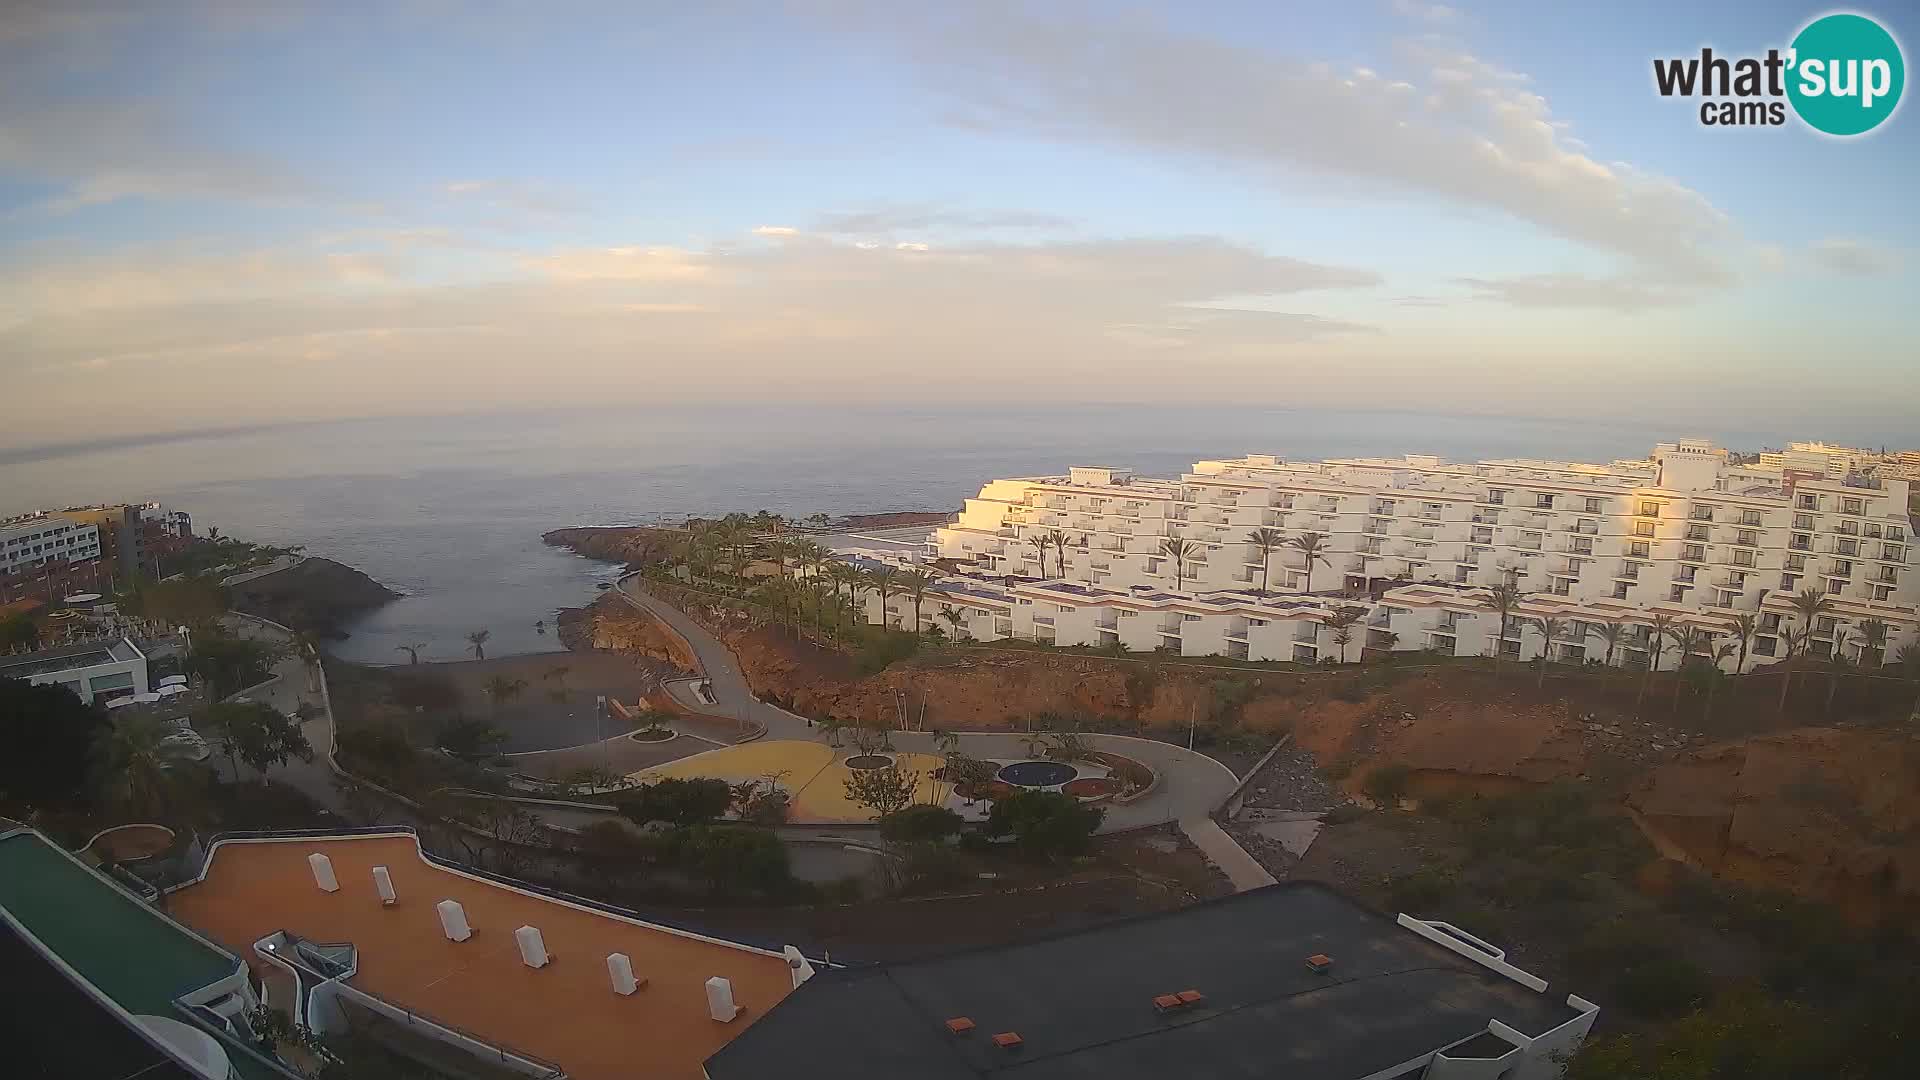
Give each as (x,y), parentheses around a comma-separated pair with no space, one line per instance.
(316,596)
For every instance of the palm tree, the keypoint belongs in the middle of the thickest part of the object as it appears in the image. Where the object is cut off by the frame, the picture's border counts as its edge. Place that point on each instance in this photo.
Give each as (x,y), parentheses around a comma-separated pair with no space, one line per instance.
(1713,677)
(1179,551)
(1504,597)
(1659,627)
(1613,632)
(1266,540)
(955,618)
(1342,621)
(1060,541)
(412,651)
(1908,659)
(1872,641)
(1687,640)
(884,580)
(1039,543)
(1810,604)
(1548,629)
(1745,626)
(915,583)
(134,759)
(1311,545)
(478,641)
(847,574)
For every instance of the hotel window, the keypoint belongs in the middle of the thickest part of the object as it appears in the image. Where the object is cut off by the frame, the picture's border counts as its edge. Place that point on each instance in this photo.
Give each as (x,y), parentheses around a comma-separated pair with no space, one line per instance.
(1497,496)
(1639,549)
(1694,553)
(1678,593)
(1619,590)
(1808,502)
(1696,532)
(1787,582)
(1894,532)
(1749,517)
(1834,586)
(1842,568)
(1643,528)
(1844,546)
(1461,573)
(1825,625)
(1801,542)
(1684,573)
(1883,592)
(1593,506)
(1743,558)
(1852,506)
(1701,513)
(1803,521)
(1543,502)
(1893,552)
(1649,508)
(1746,538)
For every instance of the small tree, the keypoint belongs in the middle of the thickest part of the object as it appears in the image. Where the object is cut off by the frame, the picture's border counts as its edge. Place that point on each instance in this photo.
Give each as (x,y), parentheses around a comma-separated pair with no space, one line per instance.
(256,734)
(886,790)
(1343,621)
(477,641)
(1045,824)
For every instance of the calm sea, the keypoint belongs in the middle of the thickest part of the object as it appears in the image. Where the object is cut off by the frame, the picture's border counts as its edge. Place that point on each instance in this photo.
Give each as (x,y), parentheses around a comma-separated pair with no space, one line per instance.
(449,510)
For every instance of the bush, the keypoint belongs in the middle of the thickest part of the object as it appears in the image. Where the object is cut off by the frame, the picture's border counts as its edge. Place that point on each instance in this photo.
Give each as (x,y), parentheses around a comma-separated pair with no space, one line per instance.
(1387,784)
(920,824)
(734,858)
(676,801)
(928,867)
(1662,986)
(881,647)
(1045,824)
(1422,890)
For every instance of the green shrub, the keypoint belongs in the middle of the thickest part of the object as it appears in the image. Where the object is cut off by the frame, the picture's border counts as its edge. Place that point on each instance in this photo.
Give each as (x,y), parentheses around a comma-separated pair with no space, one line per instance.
(1662,986)
(1422,890)
(1387,784)
(733,858)
(920,824)
(676,801)
(1045,824)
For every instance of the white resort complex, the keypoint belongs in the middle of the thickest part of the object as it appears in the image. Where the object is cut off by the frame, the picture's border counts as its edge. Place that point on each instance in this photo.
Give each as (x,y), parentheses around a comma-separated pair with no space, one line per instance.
(1411,552)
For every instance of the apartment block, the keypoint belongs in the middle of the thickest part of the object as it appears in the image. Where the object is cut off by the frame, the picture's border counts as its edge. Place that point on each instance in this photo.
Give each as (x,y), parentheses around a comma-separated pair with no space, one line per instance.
(1417,543)
(29,543)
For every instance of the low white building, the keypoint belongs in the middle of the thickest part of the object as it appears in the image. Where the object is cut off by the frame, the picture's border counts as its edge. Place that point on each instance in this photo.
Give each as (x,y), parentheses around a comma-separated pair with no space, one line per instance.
(102,669)
(1417,545)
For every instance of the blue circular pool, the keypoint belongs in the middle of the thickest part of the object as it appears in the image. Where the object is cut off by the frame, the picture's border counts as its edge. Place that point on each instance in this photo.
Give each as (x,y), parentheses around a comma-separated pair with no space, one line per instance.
(1037,774)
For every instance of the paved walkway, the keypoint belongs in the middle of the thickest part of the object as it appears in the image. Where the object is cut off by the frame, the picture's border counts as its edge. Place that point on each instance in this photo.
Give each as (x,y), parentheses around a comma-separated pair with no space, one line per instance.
(295,683)
(1232,860)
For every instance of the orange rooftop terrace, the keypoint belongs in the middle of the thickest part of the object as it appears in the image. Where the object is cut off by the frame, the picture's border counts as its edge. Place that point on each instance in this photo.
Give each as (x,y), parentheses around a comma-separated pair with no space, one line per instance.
(565,1012)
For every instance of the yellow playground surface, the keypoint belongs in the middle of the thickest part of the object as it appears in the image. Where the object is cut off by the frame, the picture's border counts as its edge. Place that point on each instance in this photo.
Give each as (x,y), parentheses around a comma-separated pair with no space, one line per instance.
(814,773)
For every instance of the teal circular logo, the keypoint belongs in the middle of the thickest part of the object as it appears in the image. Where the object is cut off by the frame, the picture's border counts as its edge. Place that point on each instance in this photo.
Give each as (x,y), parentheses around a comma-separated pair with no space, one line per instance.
(1845,74)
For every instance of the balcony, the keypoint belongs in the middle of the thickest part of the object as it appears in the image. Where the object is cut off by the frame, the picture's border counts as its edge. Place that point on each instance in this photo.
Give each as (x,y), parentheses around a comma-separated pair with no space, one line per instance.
(1700,513)
(1730,581)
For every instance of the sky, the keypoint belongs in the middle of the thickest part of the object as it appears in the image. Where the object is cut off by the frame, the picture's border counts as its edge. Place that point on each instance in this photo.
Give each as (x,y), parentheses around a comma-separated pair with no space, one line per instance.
(241,212)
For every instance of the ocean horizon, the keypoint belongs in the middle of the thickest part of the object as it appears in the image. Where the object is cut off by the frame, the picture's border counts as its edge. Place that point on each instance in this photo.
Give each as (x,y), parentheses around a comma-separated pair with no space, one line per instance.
(449,510)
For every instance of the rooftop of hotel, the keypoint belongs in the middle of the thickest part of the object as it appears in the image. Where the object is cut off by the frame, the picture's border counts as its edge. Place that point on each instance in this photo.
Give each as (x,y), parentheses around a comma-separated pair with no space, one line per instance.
(67,658)
(1084,1003)
(565,1012)
(125,950)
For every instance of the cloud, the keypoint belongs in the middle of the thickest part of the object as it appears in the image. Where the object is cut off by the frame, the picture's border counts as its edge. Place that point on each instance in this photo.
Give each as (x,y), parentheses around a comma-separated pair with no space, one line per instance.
(1439,14)
(1451,126)
(886,219)
(1855,258)
(646,264)
(1579,291)
(538,199)
(776,232)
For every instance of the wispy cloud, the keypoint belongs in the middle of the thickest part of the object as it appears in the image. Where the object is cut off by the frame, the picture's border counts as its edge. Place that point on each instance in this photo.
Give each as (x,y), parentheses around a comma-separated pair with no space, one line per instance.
(1454,127)
(540,199)
(888,219)
(1579,291)
(1855,258)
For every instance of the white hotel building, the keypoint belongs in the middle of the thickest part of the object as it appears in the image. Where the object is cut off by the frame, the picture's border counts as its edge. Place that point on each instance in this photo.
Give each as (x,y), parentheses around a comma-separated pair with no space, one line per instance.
(1416,542)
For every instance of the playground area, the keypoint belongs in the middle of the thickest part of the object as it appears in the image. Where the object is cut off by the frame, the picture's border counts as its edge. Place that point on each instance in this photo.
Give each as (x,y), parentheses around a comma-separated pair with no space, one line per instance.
(815,775)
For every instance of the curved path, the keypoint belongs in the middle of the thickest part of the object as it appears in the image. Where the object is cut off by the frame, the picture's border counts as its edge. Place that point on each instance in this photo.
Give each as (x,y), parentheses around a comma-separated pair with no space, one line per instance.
(1192,785)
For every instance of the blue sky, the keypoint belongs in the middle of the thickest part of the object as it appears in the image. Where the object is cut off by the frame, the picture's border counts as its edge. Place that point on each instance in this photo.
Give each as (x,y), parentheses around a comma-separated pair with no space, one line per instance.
(294,212)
